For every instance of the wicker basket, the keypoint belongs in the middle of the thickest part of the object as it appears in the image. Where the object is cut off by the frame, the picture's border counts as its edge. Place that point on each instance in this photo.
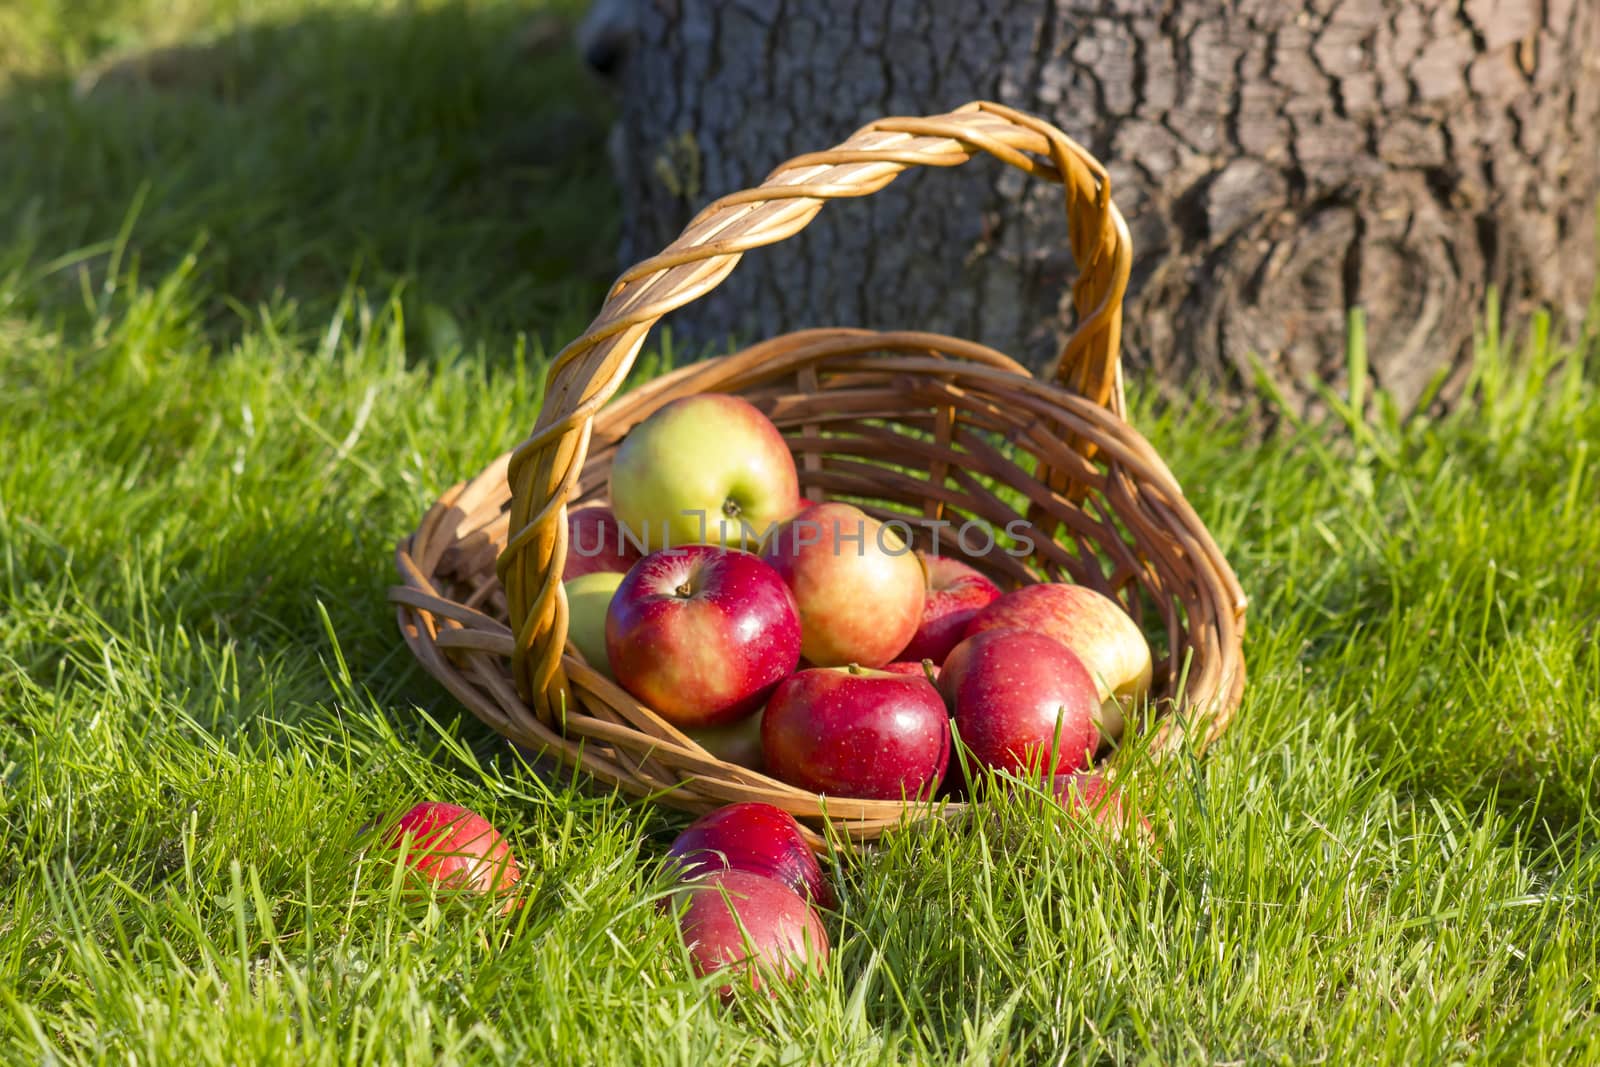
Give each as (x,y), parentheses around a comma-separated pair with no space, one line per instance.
(908,425)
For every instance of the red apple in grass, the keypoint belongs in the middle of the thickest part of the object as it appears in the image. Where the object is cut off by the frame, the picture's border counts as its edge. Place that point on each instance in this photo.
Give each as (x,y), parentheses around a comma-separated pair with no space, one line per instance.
(1018,698)
(757,838)
(595,543)
(456,848)
(854,732)
(956,593)
(704,468)
(859,586)
(752,926)
(702,634)
(1095,627)
(1089,793)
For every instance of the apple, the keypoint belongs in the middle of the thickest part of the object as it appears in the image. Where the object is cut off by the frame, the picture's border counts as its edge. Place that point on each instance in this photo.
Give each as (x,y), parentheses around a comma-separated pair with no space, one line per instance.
(702,633)
(738,742)
(915,670)
(704,468)
(956,593)
(1095,627)
(1018,697)
(455,848)
(1089,793)
(588,599)
(855,732)
(860,588)
(753,837)
(595,543)
(753,926)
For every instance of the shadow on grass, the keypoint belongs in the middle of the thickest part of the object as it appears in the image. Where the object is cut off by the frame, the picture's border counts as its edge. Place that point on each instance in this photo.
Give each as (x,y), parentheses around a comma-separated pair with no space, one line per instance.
(455,154)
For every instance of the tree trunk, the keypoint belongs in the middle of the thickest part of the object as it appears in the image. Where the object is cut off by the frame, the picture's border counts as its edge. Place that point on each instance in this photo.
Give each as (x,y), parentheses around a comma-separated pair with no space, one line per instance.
(1279,163)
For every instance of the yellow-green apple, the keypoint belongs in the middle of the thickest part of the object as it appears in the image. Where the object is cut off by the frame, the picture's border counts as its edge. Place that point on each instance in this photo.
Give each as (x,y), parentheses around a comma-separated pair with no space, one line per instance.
(754,837)
(956,592)
(751,926)
(1095,627)
(708,468)
(1020,697)
(1089,793)
(859,585)
(595,543)
(588,598)
(738,742)
(456,848)
(856,732)
(702,633)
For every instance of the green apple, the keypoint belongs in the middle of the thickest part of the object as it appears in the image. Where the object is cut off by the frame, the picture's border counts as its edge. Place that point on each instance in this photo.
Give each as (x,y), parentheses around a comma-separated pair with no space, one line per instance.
(738,742)
(705,469)
(588,597)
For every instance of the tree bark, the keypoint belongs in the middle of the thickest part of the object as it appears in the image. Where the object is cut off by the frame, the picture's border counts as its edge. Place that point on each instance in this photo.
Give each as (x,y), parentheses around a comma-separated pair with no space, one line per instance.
(1279,163)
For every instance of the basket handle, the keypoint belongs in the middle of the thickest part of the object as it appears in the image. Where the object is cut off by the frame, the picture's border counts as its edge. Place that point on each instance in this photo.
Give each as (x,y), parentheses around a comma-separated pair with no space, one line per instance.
(589,371)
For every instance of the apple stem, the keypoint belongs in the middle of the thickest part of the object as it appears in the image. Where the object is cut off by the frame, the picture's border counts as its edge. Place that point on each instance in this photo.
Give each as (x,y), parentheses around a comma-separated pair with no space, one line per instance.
(684,590)
(927,669)
(731,508)
(855,668)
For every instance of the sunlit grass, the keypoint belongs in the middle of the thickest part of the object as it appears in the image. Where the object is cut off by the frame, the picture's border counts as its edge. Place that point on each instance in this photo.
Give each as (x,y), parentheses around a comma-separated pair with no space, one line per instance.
(203,700)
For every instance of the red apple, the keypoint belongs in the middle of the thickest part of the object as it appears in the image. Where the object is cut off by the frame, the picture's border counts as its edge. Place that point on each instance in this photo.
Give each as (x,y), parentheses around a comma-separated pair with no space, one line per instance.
(859,586)
(854,732)
(753,926)
(595,543)
(1089,793)
(455,848)
(704,468)
(702,633)
(956,593)
(1095,627)
(1018,697)
(758,838)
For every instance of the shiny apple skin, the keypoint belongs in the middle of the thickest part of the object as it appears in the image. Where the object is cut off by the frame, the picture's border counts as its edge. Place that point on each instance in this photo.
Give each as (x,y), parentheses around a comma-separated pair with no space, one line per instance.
(956,593)
(1008,689)
(860,588)
(854,732)
(702,634)
(758,838)
(753,928)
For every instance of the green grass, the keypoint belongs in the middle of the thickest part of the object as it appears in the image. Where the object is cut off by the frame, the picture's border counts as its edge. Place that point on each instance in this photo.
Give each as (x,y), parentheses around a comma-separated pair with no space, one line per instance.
(246,334)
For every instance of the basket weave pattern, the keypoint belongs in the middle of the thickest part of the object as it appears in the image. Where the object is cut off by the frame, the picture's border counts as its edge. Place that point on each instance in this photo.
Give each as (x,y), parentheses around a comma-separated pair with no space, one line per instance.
(912,426)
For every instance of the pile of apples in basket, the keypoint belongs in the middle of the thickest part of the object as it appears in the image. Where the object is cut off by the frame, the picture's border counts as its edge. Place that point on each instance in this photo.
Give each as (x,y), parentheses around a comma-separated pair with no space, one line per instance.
(810,641)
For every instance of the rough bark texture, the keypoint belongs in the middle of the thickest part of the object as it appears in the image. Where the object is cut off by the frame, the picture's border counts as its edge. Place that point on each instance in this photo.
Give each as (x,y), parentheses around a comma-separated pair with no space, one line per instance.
(1279,163)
